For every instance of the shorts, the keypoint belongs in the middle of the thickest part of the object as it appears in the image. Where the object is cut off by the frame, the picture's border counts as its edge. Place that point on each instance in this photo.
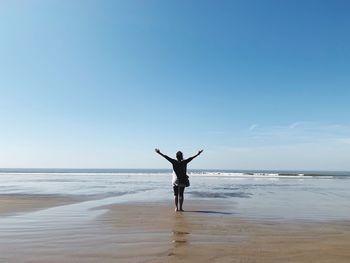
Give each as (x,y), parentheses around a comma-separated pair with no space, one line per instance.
(179,190)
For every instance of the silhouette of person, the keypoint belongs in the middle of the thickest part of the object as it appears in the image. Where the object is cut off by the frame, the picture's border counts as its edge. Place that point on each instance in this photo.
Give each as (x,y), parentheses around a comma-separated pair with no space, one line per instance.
(180,178)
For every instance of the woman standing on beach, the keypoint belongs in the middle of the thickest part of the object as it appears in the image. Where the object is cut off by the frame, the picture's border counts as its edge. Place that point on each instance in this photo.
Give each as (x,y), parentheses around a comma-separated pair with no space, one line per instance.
(180,178)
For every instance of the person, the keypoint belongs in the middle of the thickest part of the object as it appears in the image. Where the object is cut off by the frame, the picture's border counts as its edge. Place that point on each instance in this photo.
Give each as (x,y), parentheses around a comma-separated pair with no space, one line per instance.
(180,177)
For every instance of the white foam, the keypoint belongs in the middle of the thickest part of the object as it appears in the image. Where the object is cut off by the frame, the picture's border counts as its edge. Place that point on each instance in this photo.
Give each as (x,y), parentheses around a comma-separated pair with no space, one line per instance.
(252,175)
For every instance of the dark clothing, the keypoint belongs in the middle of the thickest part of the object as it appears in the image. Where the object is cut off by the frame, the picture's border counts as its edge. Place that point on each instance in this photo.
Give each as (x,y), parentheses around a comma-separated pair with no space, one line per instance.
(178,191)
(180,168)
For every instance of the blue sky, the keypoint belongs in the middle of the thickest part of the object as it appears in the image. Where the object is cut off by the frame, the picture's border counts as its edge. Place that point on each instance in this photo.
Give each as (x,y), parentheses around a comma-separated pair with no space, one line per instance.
(257,84)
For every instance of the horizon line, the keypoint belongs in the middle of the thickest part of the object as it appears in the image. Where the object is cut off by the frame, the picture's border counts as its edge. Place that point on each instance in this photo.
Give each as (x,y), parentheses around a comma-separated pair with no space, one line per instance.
(205,169)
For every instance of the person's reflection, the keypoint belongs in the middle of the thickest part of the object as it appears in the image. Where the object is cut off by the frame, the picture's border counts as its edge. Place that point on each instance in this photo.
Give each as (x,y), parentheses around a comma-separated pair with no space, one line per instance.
(180,232)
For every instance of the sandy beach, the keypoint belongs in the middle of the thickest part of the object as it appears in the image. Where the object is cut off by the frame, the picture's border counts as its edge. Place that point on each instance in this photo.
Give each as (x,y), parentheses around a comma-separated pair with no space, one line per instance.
(13,204)
(208,231)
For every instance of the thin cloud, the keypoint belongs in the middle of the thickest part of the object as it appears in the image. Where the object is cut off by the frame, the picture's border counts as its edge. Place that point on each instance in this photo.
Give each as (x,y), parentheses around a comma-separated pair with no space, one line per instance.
(298,132)
(253,127)
(296,124)
(344,140)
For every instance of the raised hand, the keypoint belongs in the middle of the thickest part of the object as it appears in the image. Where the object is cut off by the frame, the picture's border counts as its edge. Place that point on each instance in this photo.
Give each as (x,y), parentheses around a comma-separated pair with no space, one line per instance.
(199,152)
(157,150)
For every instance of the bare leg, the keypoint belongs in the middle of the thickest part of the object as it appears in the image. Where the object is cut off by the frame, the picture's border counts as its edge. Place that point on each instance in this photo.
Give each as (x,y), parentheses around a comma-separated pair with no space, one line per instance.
(181,197)
(176,201)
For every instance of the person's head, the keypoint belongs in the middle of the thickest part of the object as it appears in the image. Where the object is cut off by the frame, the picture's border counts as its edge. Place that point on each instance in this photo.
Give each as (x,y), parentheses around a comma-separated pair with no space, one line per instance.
(179,156)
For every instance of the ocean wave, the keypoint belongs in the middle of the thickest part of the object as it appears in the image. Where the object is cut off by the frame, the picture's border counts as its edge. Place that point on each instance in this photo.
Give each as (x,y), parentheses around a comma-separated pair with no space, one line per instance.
(251,175)
(202,194)
(141,172)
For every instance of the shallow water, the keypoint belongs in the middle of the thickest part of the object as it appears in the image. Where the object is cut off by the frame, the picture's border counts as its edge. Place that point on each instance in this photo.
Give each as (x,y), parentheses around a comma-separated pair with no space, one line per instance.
(291,197)
(71,230)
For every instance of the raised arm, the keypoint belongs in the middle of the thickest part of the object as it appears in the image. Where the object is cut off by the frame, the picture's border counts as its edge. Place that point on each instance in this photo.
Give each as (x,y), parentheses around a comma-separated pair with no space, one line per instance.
(194,156)
(165,156)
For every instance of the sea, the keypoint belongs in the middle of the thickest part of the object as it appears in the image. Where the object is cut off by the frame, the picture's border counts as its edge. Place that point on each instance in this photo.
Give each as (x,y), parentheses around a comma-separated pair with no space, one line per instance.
(75,231)
(274,195)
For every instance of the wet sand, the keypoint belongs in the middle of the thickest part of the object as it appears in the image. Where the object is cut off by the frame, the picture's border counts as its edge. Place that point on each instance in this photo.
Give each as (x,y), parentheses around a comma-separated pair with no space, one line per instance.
(213,233)
(14,204)
(153,232)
